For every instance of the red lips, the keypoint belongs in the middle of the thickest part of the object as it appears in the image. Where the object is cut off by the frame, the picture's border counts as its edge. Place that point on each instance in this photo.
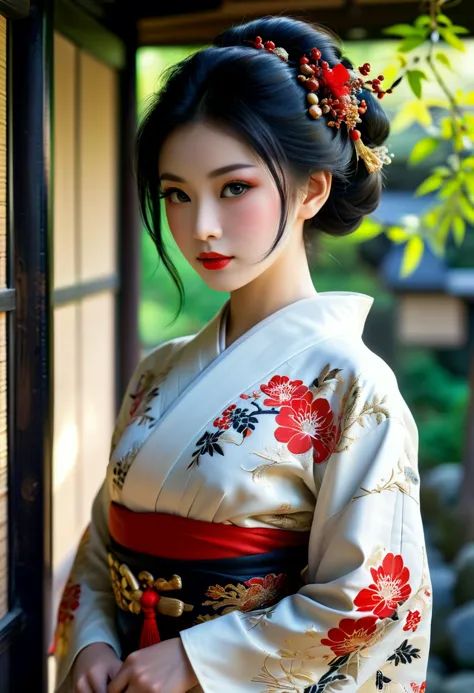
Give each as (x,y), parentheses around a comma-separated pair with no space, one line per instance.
(214,261)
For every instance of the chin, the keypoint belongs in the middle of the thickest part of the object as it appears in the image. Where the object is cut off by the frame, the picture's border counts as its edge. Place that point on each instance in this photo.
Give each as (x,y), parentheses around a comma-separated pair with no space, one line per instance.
(218,281)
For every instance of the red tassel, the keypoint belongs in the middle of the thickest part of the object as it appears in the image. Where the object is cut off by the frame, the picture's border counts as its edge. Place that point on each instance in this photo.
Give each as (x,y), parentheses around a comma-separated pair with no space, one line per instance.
(150,634)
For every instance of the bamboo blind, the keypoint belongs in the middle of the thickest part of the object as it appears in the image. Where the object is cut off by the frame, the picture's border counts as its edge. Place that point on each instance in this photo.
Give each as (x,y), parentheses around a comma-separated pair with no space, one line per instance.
(3,334)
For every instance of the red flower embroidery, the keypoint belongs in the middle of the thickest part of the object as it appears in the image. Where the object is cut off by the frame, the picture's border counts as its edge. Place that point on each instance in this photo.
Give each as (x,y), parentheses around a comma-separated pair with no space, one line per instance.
(264,591)
(413,619)
(389,589)
(350,635)
(281,390)
(307,422)
(69,602)
(225,420)
(421,688)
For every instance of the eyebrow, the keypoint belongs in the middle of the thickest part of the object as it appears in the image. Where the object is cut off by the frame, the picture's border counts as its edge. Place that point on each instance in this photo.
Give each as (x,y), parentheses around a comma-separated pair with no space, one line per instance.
(212,174)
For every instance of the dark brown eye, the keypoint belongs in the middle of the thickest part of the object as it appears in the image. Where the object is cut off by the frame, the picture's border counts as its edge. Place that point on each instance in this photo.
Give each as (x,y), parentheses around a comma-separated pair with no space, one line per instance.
(235,189)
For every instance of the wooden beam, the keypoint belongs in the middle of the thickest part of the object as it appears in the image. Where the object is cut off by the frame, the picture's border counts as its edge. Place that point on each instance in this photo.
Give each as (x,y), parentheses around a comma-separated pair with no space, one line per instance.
(368,17)
(202,27)
(15,9)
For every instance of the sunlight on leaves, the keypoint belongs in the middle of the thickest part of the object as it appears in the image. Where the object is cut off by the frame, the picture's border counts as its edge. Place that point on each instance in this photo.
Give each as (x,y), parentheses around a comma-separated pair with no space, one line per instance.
(423,149)
(412,256)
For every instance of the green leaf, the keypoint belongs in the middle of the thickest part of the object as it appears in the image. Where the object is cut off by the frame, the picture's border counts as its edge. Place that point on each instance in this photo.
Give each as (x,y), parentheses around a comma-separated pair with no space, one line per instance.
(403,30)
(450,188)
(442,231)
(459,229)
(446,128)
(467,99)
(443,171)
(409,113)
(397,234)
(370,228)
(431,218)
(469,183)
(468,162)
(415,78)
(429,185)
(459,29)
(423,21)
(466,209)
(452,39)
(422,150)
(444,60)
(443,19)
(412,256)
(412,42)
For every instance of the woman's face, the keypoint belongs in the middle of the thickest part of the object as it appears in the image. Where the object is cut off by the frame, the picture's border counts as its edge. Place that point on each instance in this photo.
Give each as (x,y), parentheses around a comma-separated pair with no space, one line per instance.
(219,199)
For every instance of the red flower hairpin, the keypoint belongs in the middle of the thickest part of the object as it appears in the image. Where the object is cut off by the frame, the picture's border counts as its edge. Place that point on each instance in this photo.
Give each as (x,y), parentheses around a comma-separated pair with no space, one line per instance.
(333,91)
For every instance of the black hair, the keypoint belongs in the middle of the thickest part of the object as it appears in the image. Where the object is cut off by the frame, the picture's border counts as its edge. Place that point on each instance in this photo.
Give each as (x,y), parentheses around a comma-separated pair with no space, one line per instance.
(257,96)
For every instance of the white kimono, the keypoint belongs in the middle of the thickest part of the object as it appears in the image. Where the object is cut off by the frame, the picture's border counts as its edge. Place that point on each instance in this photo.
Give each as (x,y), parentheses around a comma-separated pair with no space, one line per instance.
(297,425)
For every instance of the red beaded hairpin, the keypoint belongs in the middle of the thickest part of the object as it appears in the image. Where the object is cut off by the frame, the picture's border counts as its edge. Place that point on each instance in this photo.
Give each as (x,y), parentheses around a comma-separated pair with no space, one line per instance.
(338,96)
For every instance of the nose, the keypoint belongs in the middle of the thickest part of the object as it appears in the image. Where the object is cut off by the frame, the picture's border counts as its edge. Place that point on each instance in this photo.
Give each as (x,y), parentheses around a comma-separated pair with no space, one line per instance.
(207,223)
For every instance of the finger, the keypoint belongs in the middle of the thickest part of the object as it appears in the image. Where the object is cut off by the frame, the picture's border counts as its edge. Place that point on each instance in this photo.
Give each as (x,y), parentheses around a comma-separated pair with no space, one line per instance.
(82,686)
(98,682)
(120,681)
(114,669)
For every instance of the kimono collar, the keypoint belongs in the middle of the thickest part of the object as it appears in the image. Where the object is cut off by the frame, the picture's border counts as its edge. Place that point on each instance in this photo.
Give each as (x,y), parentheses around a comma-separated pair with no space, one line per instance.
(327,313)
(318,318)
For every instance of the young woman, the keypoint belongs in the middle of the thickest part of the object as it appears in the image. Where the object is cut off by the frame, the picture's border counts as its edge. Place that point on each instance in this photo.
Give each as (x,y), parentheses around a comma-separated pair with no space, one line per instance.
(259,527)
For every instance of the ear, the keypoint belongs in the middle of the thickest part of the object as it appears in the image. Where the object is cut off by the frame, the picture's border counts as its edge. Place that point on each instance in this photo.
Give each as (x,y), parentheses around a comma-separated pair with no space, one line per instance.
(315,194)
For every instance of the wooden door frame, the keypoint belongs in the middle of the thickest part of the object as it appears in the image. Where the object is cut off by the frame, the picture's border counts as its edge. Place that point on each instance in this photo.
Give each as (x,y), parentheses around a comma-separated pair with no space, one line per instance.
(25,631)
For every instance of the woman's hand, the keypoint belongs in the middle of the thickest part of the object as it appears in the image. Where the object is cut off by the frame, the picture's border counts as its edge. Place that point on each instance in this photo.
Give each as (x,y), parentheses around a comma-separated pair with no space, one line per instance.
(95,666)
(162,668)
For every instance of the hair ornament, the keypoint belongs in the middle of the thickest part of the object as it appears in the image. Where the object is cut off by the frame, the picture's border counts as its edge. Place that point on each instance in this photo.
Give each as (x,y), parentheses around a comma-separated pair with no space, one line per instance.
(271,48)
(335,92)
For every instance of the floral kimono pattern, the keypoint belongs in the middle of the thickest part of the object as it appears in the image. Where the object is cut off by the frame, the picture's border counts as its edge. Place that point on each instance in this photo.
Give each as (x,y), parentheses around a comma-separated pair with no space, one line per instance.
(298,425)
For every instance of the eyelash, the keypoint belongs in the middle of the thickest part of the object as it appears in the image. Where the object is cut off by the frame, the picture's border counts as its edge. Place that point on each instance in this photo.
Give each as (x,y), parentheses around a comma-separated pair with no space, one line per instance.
(167,193)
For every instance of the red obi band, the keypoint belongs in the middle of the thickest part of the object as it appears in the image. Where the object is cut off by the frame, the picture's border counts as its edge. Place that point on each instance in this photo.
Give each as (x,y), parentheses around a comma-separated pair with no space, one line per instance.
(181,538)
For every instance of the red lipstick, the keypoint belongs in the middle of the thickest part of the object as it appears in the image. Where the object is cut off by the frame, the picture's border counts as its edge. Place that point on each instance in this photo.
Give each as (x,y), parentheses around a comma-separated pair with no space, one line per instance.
(214,261)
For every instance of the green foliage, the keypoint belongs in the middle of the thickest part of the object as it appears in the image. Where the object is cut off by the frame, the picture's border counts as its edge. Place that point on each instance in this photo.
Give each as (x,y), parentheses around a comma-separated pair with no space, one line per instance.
(438,401)
(453,184)
(415,79)
(423,149)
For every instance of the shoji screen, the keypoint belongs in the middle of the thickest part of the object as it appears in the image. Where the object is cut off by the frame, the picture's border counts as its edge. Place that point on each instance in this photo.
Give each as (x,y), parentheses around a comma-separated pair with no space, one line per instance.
(85,240)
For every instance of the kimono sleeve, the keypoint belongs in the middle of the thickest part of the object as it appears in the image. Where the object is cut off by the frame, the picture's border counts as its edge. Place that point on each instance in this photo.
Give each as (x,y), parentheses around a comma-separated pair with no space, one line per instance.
(362,619)
(87,610)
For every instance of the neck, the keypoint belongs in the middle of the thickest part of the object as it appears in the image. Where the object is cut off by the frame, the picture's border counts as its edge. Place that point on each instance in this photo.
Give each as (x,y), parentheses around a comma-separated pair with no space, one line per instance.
(286,281)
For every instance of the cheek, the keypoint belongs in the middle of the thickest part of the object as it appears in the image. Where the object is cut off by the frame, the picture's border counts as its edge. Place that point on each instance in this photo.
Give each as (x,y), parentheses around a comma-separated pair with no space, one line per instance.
(179,223)
(257,217)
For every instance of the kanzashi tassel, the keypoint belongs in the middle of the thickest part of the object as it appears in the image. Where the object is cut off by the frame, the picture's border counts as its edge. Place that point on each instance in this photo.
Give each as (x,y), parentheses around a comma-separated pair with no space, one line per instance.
(373,158)
(150,634)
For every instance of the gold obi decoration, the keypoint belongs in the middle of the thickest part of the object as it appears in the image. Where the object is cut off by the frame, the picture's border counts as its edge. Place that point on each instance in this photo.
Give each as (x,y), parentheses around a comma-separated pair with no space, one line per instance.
(129,589)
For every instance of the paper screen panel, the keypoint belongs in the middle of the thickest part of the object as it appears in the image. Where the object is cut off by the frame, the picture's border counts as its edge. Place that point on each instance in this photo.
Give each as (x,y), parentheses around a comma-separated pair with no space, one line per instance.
(65,68)
(98,113)
(66,519)
(97,377)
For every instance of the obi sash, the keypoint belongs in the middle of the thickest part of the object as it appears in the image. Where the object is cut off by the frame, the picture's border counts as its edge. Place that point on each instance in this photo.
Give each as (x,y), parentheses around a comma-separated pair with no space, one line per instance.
(170,573)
